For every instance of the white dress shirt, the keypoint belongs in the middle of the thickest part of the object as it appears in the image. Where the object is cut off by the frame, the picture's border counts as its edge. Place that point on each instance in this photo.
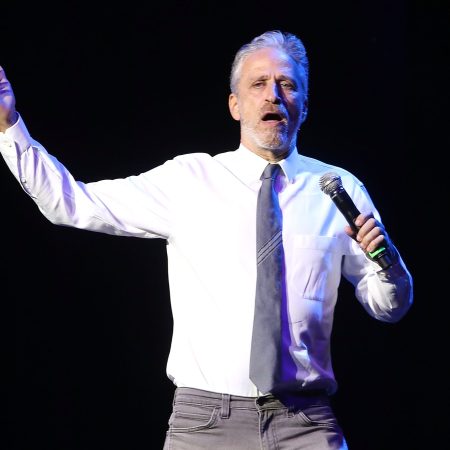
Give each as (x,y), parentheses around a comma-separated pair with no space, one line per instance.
(205,207)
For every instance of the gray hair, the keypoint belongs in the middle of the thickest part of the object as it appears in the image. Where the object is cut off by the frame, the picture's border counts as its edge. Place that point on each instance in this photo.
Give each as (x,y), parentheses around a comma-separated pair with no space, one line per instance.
(287,42)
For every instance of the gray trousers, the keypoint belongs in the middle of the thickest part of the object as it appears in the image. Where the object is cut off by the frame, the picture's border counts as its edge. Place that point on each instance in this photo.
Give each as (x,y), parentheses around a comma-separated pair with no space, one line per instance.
(213,421)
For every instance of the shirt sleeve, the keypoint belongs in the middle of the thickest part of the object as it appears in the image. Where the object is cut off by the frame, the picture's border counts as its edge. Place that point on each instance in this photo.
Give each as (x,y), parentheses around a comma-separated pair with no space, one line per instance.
(386,295)
(138,205)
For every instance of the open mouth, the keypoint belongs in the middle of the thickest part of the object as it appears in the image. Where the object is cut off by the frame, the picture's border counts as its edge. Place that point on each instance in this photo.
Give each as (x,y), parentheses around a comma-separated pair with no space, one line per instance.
(272,117)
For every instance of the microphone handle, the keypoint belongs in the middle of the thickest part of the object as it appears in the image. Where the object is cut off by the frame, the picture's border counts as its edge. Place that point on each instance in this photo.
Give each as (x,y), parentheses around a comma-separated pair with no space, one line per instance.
(346,206)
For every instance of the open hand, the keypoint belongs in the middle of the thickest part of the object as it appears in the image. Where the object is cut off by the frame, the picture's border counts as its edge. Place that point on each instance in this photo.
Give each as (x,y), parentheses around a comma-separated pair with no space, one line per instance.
(8,114)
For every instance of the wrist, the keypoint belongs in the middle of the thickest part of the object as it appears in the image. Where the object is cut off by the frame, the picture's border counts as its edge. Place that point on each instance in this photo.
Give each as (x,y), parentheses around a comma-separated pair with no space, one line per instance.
(9,120)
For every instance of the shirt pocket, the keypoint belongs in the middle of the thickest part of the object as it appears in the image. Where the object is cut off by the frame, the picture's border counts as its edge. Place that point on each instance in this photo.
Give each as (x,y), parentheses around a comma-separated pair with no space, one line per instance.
(313,275)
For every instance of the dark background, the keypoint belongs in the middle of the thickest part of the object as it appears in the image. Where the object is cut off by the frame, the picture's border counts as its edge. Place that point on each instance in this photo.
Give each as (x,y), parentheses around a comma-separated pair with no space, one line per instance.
(115,90)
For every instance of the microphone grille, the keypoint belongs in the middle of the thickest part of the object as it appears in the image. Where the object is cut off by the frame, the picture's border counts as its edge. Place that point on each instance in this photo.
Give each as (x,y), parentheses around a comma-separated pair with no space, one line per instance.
(329,182)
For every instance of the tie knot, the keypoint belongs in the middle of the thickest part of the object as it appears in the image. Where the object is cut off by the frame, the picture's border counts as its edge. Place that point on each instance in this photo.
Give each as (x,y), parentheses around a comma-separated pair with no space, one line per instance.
(271,171)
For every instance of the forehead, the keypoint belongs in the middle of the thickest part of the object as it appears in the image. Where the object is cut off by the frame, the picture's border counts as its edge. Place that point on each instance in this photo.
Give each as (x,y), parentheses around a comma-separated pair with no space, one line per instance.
(269,61)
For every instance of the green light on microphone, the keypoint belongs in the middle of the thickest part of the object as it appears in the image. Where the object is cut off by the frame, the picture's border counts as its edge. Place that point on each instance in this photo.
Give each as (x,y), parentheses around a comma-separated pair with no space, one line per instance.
(376,252)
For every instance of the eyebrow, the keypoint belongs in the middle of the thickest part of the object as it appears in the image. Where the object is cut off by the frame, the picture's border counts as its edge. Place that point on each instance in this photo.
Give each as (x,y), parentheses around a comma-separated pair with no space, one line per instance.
(282,77)
(266,77)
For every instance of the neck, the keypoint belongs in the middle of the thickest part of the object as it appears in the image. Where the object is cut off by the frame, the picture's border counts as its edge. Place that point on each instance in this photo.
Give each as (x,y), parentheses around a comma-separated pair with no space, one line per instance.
(272,156)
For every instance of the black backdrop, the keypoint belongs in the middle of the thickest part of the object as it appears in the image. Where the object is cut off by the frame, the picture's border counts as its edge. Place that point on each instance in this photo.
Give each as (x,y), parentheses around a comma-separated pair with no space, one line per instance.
(115,90)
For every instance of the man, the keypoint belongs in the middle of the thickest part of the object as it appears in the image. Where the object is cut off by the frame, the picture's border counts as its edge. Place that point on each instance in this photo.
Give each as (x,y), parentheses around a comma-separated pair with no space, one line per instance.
(209,209)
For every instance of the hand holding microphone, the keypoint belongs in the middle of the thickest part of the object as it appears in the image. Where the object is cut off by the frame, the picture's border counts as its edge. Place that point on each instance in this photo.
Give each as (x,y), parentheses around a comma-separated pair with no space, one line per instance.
(364,228)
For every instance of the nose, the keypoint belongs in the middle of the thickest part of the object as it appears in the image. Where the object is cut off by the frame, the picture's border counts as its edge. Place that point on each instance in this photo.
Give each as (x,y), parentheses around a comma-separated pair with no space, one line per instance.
(272,93)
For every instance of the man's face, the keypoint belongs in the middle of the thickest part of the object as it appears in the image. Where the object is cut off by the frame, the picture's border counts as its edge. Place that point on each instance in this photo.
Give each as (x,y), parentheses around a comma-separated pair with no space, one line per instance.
(270,103)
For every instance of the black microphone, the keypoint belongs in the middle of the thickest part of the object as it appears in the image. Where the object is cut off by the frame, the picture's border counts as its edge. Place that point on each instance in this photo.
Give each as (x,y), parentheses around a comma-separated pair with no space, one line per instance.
(331,184)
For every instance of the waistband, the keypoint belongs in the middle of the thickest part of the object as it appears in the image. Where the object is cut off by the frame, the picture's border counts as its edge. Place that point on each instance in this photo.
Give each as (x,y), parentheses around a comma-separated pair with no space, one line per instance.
(293,401)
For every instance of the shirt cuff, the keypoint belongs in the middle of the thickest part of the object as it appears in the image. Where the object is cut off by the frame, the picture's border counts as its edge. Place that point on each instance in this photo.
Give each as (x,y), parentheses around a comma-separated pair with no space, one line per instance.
(15,139)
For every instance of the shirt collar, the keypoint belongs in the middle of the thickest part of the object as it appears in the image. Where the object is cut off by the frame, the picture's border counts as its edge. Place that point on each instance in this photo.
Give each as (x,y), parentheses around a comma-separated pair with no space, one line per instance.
(291,165)
(251,166)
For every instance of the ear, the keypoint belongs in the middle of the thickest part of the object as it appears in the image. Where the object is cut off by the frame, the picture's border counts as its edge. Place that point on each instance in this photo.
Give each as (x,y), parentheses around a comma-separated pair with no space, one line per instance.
(234,108)
(304,110)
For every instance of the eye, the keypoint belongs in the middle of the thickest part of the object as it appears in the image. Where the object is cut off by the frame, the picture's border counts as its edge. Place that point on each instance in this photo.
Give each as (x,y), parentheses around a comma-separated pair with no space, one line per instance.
(287,85)
(258,84)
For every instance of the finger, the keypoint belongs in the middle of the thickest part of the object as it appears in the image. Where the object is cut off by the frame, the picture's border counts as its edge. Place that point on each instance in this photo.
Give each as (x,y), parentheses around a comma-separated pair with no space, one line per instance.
(376,243)
(5,87)
(2,74)
(366,227)
(373,237)
(349,231)
(363,218)
(4,82)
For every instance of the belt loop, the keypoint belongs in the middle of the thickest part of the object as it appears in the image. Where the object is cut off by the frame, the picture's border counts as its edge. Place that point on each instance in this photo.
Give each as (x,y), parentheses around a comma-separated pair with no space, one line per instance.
(174,399)
(225,412)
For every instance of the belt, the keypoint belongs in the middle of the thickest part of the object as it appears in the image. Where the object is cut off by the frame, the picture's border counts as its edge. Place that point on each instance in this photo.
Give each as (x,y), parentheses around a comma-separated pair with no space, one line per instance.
(292,400)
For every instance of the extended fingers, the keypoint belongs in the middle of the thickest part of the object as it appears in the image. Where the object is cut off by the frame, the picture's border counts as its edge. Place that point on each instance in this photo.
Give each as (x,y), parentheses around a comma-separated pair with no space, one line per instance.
(3,75)
(5,85)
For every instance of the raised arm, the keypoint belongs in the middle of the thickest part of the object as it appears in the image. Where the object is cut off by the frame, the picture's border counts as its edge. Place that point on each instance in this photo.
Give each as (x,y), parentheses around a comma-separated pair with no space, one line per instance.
(132,206)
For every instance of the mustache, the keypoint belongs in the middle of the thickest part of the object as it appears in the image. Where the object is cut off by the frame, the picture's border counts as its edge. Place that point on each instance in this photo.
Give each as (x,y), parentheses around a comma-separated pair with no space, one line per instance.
(273,112)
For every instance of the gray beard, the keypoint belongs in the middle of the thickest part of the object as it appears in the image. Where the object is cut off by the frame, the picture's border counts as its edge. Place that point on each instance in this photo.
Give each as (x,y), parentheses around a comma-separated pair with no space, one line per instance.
(275,140)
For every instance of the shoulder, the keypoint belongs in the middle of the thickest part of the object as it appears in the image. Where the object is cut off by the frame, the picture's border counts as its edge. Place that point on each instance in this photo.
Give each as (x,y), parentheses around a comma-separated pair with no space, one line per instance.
(188,161)
(318,168)
(192,158)
(194,165)
(195,162)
